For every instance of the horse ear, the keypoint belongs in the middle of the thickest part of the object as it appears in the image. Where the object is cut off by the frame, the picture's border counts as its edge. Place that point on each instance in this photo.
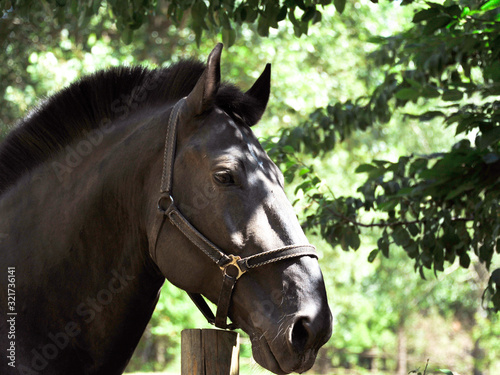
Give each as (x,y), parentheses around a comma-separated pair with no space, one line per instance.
(203,95)
(259,92)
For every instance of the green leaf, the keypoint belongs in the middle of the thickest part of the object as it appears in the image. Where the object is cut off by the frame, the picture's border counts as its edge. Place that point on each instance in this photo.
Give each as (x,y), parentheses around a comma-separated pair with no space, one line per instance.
(308,14)
(339,5)
(452,95)
(373,255)
(453,10)
(304,171)
(198,12)
(493,71)
(224,20)
(318,16)
(413,229)
(418,165)
(492,4)
(437,23)
(465,260)
(421,271)
(352,239)
(447,372)
(412,250)
(407,94)
(365,168)
(375,39)
(430,92)
(282,14)
(413,83)
(404,192)
(459,190)
(401,237)
(383,245)
(228,37)
(263,27)
(486,253)
(425,14)
(251,14)
(438,259)
(495,277)
(388,205)
(198,33)
(305,187)
(490,137)
(430,115)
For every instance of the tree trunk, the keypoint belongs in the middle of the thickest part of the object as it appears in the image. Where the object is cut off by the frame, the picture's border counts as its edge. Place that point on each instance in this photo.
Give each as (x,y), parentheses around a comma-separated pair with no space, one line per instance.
(477,356)
(402,350)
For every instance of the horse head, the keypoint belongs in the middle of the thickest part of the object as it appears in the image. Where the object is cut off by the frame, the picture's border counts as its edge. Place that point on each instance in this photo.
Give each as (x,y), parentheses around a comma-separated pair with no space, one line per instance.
(221,194)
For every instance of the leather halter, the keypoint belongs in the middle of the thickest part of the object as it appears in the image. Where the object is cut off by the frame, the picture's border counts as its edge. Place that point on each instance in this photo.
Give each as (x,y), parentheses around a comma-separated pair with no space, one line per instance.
(232,267)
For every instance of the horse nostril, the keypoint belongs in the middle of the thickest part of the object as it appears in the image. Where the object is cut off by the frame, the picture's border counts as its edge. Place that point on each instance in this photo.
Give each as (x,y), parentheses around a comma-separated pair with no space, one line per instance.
(300,334)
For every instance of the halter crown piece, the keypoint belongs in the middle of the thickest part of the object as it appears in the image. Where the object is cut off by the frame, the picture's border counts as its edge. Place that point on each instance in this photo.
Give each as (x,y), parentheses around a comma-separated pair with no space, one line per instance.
(232,267)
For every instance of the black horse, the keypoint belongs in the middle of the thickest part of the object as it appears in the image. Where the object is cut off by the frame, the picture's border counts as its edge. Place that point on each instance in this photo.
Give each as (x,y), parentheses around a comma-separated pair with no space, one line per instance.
(130,176)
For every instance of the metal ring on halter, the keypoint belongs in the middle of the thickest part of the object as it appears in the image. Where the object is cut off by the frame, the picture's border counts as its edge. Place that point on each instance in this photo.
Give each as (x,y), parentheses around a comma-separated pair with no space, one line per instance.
(161,202)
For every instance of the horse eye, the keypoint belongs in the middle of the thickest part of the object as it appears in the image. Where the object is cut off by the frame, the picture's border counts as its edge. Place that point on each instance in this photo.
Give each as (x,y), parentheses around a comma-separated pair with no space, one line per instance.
(224,177)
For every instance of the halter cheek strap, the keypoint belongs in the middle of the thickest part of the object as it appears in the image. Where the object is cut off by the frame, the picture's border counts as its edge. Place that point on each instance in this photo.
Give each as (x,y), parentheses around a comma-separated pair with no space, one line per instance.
(232,267)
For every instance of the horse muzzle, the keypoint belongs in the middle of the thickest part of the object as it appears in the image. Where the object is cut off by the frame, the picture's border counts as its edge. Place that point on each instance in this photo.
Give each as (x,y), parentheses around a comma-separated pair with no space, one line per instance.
(295,349)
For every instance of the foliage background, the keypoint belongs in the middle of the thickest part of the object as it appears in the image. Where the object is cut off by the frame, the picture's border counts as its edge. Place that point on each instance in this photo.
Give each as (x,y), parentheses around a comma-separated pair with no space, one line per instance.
(404,95)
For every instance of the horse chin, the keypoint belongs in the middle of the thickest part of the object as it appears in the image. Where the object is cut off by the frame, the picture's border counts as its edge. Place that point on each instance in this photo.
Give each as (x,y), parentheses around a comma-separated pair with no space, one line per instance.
(264,356)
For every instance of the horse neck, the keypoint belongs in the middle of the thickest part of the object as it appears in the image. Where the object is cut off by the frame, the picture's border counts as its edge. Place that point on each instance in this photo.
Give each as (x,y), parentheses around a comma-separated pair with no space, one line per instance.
(85,241)
(96,186)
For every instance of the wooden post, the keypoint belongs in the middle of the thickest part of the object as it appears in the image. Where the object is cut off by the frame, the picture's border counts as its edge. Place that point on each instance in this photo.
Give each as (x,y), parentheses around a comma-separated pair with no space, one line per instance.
(209,352)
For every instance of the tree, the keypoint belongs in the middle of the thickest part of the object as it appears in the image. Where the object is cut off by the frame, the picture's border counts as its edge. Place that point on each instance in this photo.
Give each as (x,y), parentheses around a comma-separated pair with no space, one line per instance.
(442,206)
(223,16)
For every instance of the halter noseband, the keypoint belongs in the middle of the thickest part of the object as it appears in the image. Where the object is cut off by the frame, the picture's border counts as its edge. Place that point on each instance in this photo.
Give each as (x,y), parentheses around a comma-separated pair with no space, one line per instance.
(232,266)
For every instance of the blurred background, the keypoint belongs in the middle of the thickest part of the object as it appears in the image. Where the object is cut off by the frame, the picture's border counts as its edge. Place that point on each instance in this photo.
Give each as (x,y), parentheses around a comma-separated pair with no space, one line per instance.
(387,319)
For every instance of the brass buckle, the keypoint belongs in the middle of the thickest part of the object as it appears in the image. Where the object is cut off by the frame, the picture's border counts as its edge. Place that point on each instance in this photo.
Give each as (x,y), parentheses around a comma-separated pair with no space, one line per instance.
(233,262)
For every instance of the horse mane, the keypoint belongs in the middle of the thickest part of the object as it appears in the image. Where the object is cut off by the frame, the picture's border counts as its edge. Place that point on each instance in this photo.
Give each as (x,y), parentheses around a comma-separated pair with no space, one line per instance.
(94,101)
